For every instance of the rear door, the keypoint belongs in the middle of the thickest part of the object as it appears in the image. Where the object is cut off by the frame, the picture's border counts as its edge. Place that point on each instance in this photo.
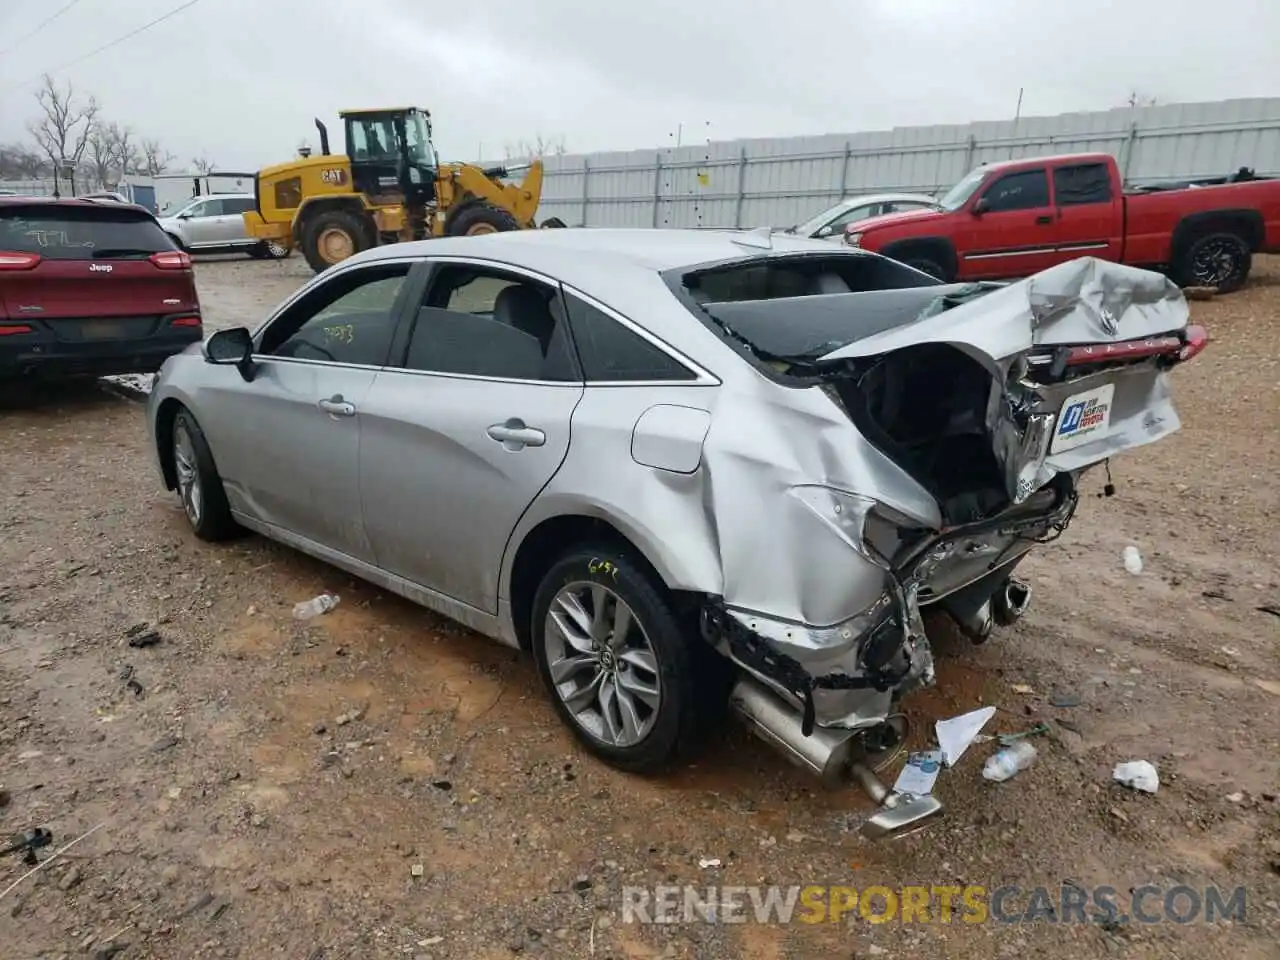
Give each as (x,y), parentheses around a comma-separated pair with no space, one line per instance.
(230,222)
(1089,212)
(1015,235)
(463,436)
(90,272)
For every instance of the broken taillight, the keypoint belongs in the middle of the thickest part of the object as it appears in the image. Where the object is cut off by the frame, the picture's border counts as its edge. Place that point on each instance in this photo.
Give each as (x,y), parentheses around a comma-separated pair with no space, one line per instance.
(1194,341)
(16,260)
(1172,348)
(171,260)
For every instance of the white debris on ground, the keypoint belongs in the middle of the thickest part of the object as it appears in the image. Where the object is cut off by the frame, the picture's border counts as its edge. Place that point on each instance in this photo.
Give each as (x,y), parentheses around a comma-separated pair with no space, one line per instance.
(1138,774)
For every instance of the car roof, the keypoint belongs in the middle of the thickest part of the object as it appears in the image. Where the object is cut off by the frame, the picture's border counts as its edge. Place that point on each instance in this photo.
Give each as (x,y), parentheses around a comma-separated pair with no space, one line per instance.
(1044,161)
(557,251)
(887,198)
(81,203)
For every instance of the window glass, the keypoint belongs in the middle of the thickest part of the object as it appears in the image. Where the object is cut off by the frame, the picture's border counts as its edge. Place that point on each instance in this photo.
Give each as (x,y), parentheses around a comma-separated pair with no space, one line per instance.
(485,323)
(1025,190)
(903,206)
(1082,183)
(236,204)
(611,352)
(212,208)
(80,233)
(348,320)
(852,216)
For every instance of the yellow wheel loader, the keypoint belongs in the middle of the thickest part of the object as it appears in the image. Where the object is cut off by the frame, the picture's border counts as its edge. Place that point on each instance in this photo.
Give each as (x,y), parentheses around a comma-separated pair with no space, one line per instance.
(388,187)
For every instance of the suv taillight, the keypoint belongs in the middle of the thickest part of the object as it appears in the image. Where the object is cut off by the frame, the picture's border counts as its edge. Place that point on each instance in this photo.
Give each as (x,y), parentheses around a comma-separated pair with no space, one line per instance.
(171,260)
(10,260)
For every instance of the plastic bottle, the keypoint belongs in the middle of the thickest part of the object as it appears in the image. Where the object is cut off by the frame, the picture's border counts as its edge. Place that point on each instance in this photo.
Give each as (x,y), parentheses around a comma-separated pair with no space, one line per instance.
(315,606)
(1003,765)
(1132,560)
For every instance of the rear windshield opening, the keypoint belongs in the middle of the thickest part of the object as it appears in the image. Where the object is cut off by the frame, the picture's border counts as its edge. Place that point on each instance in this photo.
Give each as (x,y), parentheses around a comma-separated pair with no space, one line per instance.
(80,233)
(783,278)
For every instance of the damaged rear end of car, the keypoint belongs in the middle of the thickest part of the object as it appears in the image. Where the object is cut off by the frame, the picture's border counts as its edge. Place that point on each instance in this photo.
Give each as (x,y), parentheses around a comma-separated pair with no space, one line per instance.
(974,410)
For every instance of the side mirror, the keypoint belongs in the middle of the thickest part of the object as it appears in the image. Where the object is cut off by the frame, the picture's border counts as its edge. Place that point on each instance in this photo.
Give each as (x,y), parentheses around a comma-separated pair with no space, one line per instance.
(825,231)
(981,206)
(232,347)
(185,215)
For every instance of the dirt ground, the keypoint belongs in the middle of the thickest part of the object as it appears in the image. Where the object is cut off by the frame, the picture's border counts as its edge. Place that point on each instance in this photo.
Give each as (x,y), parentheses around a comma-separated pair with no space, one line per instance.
(265,788)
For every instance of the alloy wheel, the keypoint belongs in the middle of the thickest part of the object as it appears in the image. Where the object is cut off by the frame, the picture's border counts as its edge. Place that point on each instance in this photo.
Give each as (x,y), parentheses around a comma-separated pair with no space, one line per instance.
(184,459)
(1216,262)
(602,663)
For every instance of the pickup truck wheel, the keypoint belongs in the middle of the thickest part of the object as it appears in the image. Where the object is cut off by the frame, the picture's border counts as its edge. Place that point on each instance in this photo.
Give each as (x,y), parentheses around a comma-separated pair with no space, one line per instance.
(612,648)
(1220,260)
(925,265)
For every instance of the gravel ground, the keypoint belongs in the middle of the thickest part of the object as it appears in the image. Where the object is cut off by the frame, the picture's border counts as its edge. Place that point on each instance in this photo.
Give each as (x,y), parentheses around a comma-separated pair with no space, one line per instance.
(265,788)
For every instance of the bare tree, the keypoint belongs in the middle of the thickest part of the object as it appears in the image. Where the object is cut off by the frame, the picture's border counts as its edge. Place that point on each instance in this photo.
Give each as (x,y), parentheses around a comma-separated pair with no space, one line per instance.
(63,133)
(155,159)
(18,161)
(1137,99)
(202,165)
(540,146)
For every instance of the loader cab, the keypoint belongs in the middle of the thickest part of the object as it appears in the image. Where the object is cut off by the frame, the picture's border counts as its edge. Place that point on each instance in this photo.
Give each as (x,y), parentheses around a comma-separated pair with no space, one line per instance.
(391,153)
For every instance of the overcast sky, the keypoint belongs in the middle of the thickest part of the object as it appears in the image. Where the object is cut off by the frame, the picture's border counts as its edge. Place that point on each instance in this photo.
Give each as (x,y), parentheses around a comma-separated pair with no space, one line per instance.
(239,81)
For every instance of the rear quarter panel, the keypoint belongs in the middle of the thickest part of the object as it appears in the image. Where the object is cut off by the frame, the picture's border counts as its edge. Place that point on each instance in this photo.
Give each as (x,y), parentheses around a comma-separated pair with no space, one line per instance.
(1152,219)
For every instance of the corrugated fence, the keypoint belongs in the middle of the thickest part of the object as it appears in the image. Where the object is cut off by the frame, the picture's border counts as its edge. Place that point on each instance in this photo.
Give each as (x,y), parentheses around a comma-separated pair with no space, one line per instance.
(752,183)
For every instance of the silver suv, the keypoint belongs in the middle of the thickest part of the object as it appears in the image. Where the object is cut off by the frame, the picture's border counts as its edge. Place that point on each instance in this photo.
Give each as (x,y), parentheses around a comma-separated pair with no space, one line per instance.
(215,224)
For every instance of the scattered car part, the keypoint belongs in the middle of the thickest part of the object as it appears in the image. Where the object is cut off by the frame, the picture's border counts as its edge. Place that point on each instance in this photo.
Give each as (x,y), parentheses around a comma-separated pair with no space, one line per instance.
(28,843)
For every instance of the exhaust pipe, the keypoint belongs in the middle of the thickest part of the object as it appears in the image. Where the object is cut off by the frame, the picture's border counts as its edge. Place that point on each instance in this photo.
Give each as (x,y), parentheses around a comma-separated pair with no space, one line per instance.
(824,753)
(1011,601)
(977,625)
(828,754)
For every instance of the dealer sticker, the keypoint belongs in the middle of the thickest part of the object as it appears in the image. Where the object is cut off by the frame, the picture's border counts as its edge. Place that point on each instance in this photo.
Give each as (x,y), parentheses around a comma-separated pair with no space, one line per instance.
(1084,417)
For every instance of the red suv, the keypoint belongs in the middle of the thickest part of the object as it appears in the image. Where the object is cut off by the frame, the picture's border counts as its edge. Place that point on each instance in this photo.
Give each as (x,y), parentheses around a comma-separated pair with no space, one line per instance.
(90,288)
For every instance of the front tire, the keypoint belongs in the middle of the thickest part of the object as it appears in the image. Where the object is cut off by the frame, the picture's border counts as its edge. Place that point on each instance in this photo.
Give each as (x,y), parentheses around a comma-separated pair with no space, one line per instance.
(479,218)
(331,237)
(613,653)
(925,265)
(200,490)
(1219,260)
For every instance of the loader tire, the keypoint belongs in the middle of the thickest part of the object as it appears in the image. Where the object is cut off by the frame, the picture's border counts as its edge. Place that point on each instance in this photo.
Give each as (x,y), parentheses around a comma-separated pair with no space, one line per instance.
(478,218)
(333,236)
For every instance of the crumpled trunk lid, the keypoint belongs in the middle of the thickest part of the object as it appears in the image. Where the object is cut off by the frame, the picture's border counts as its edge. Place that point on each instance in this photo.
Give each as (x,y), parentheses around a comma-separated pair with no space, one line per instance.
(1076,356)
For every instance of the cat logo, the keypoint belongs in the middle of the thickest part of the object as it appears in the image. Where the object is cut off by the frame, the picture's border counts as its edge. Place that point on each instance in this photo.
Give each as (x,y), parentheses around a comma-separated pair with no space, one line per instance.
(335,176)
(99,268)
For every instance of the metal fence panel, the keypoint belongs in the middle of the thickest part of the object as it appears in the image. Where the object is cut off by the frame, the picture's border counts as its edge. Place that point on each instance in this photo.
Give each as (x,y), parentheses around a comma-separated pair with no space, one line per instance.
(775,182)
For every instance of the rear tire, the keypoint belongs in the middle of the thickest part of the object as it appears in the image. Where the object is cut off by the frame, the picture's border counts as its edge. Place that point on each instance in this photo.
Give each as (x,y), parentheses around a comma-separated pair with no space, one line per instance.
(200,489)
(269,250)
(645,696)
(1219,260)
(479,218)
(332,236)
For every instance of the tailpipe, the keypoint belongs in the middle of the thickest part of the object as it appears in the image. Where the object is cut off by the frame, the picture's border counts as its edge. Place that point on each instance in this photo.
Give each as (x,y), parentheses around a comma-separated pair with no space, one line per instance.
(1011,601)
(827,753)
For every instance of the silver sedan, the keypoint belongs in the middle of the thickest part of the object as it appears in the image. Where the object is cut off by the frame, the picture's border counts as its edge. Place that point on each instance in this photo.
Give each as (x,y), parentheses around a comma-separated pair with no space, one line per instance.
(684,469)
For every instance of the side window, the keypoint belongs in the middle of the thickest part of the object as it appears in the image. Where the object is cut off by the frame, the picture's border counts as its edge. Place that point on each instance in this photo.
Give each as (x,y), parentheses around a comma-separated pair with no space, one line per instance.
(198,209)
(852,216)
(237,204)
(612,353)
(350,319)
(903,206)
(1083,183)
(212,208)
(482,322)
(1025,190)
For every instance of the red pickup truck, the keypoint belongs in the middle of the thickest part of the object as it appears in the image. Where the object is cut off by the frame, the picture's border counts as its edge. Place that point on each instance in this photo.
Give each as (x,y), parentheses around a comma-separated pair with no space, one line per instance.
(1016,218)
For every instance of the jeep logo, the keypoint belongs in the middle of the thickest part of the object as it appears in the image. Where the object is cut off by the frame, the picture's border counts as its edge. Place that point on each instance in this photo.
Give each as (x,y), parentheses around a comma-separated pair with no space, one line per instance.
(99,268)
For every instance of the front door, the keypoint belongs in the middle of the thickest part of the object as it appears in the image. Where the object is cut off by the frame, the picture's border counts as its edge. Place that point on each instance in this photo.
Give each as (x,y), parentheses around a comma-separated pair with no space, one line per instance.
(1015,235)
(463,436)
(288,442)
(201,223)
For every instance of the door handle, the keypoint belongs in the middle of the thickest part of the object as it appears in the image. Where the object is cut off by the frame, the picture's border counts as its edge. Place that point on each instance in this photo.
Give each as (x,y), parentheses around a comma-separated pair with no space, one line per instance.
(513,434)
(335,406)
(1044,219)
